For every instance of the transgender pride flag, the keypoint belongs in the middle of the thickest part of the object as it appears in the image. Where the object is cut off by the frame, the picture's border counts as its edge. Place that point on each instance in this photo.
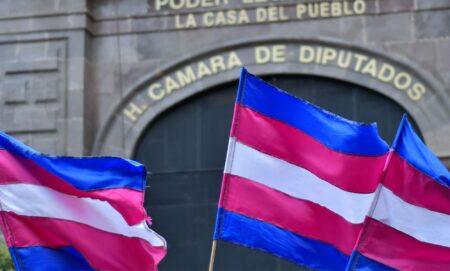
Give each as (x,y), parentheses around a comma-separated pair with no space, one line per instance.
(298,180)
(66,213)
(409,228)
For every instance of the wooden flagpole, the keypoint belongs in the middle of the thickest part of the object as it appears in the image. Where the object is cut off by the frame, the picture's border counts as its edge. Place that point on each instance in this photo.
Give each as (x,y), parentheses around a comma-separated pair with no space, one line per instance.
(213,255)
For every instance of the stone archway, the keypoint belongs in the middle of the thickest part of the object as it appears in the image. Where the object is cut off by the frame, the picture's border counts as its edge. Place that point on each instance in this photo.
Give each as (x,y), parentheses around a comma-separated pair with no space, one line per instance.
(185,147)
(415,90)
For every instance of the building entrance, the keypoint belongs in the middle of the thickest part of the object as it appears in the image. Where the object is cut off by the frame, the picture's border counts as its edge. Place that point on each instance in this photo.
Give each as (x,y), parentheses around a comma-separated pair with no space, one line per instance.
(185,150)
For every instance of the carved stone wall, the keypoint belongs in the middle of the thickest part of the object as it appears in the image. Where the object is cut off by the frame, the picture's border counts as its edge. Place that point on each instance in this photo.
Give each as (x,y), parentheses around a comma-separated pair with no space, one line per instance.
(70,70)
(34,92)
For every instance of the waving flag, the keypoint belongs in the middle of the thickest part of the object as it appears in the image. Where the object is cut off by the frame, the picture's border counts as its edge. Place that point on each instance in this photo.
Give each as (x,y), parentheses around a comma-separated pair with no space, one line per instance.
(66,213)
(409,228)
(298,180)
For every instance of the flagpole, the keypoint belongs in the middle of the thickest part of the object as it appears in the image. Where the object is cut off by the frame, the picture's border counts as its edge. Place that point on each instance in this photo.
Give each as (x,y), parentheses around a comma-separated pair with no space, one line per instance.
(354,257)
(213,255)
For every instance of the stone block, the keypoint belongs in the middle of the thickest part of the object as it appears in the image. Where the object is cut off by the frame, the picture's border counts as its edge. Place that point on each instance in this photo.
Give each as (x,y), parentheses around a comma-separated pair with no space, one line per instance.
(432,24)
(102,8)
(75,107)
(128,48)
(443,51)
(14,26)
(389,27)
(36,119)
(133,7)
(75,134)
(422,53)
(30,51)
(76,70)
(77,43)
(396,5)
(210,36)
(46,143)
(4,8)
(135,72)
(445,75)
(46,23)
(426,4)
(25,7)
(7,54)
(144,24)
(45,90)
(115,141)
(61,22)
(352,29)
(163,45)
(43,65)
(106,78)
(105,50)
(73,6)
(105,105)
(14,92)
(104,27)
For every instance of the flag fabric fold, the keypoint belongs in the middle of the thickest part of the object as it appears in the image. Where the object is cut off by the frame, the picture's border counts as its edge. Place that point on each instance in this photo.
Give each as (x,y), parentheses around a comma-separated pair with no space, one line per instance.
(410,223)
(67,213)
(298,180)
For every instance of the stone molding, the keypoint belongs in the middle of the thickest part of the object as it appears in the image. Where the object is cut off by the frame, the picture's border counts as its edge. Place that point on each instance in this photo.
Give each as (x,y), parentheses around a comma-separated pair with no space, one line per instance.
(431,113)
(156,21)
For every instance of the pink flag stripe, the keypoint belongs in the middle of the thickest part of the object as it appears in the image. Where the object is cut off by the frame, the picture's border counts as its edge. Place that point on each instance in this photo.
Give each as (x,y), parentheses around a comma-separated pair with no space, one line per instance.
(97,246)
(353,173)
(16,169)
(415,187)
(401,251)
(299,216)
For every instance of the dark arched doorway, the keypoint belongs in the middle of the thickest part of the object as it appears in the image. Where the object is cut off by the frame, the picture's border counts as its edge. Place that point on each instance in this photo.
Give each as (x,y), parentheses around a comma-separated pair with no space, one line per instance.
(185,149)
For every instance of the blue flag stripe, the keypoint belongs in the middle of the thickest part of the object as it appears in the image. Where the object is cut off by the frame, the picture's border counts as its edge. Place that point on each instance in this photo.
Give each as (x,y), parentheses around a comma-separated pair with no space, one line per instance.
(83,173)
(360,262)
(411,148)
(260,235)
(331,130)
(44,258)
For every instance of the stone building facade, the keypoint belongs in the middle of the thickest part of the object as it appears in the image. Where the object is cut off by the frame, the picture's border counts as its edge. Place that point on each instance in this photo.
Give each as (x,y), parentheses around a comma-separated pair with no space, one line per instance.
(80,77)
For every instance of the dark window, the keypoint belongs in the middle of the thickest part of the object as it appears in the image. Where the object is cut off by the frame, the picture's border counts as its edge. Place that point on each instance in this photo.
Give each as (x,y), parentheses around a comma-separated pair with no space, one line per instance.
(185,150)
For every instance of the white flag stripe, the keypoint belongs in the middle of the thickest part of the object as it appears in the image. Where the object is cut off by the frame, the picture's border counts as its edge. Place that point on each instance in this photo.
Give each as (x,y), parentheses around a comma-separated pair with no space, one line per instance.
(40,201)
(423,224)
(297,182)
